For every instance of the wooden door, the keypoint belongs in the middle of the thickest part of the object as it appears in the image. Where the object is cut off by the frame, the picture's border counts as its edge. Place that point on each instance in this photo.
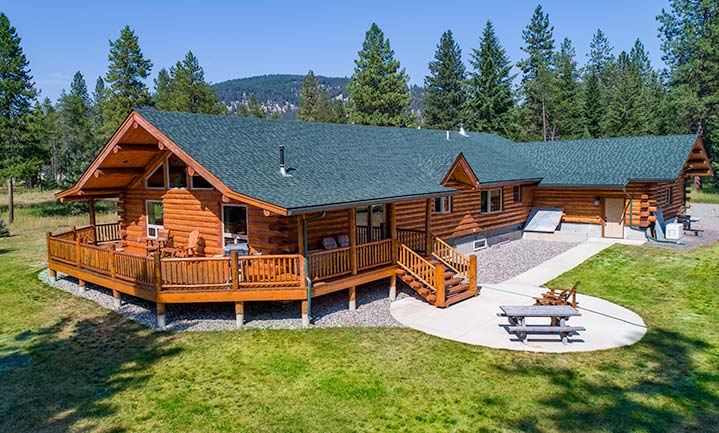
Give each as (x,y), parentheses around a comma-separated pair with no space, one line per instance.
(613,217)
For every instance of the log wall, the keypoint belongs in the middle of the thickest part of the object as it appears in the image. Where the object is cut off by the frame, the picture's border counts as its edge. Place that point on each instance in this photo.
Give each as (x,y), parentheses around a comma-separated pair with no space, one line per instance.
(466,217)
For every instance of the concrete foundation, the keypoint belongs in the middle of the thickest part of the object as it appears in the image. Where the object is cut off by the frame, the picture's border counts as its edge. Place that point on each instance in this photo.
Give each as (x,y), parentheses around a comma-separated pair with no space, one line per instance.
(305,320)
(161,321)
(392,293)
(465,244)
(117,303)
(239,319)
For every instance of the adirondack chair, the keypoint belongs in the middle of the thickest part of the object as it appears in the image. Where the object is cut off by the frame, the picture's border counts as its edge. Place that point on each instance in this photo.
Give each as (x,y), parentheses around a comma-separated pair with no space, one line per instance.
(189,250)
(559,296)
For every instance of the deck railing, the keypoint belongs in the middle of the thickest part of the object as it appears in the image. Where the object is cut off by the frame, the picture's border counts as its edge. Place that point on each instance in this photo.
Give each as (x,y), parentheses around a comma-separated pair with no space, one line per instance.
(330,263)
(452,258)
(108,232)
(374,254)
(414,239)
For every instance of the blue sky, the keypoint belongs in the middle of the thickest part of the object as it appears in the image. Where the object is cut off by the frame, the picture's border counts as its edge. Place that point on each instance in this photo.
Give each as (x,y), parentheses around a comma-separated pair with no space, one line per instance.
(239,39)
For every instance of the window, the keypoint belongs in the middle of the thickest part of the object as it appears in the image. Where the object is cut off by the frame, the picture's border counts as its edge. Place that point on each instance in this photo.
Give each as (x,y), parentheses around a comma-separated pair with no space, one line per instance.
(234,223)
(371,223)
(176,173)
(157,179)
(517,193)
(155,217)
(443,205)
(199,182)
(479,244)
(491,201)
(379,217)
(668,195)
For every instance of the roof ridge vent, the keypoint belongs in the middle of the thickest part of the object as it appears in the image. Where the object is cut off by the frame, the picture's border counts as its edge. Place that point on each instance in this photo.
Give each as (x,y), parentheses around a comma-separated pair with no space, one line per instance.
(283,170)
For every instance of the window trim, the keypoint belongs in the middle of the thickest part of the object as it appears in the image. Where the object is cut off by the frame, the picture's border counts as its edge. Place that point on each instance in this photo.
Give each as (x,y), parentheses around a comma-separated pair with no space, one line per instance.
(192,183)
(668,195)
(168,184)
(226,235)
(489,201)
(517,193)
(445,205)
(156,227)
(164,178)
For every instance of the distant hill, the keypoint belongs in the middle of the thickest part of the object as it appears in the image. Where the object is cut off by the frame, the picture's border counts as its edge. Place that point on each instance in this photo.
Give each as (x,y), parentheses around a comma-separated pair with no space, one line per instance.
(280,93)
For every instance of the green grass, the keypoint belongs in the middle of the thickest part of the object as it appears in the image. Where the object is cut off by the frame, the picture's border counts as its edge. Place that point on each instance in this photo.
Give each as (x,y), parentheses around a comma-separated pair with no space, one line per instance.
(68,365)
(709,193)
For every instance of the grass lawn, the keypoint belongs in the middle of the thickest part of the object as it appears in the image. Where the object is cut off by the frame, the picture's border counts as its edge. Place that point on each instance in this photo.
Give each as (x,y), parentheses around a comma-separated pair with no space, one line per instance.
(708,194)
(68,365)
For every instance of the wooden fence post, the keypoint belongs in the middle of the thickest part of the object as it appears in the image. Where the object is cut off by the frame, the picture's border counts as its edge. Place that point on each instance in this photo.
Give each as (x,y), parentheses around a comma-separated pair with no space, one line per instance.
(53,273)
(439,285)
(473,273)
(158,272)
(235,270)
(303,273)
(111,260)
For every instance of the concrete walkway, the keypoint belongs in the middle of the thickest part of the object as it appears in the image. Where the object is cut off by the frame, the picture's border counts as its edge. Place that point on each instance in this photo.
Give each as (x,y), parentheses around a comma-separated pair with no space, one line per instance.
(475,321)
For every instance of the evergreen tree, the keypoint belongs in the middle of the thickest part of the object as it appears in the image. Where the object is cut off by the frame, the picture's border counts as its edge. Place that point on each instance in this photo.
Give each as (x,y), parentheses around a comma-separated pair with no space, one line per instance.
(162,96)
(444,88)
(78,147)
(601,58)
(378,93)
(99,100)
(490,103)
(592,106)
(18,153)
(690,41)
(537,77)
(626,114)
(255,109)
(309,99)
(50,138)
(125,79)
(339,115)
(184,89)
(566,98)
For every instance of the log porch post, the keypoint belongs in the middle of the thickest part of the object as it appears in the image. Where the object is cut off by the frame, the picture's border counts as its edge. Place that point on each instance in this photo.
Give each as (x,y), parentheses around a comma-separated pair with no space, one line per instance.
(91,204)
(473,273)
(428,228)
(439,286)
(393,236)
(352,214)
(158,287)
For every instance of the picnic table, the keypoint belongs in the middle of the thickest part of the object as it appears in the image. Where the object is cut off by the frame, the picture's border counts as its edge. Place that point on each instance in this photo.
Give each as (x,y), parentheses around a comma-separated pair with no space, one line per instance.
(558,315)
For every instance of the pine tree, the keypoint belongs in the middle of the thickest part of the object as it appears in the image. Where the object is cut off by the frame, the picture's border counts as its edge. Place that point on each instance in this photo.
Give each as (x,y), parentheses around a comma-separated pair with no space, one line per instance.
(601,58)
(125,79)
(378,93)
(592,106)
(339,115)
(490,103)
(78,147)
(309,99)
(50,139)
(18,155)
(566,98)
(626,114)
(184,89)
(255,109)
(597,82)
(445,93)
(99,101)
(537,77)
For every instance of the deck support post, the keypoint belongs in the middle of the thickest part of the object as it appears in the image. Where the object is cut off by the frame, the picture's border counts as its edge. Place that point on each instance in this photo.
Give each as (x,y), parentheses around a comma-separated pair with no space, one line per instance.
(53,275)
(161,315)
(117,301)
(441,300)
(305,316)
(353,298)
(393,287)
(82,284)
(239,311)
(428,228)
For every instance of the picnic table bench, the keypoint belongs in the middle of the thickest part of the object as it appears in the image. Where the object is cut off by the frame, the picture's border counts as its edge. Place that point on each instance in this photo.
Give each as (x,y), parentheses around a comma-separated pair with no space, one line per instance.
(558,315)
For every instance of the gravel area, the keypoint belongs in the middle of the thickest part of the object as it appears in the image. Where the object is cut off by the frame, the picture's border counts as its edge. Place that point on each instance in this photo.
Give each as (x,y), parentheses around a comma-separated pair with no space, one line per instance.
(709,222)
(504,261)
(328,311)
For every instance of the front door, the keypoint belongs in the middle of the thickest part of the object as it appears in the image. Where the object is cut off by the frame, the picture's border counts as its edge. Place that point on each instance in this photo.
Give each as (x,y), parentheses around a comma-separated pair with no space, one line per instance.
(613,217)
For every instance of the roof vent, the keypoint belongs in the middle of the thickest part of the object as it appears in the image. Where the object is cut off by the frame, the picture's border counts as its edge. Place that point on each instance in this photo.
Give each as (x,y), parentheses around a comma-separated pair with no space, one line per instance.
(283,170)
(447,135)
(462,132)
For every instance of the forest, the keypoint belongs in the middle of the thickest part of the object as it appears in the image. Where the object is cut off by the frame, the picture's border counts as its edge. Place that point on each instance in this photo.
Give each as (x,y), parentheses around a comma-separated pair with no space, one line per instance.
(556,95)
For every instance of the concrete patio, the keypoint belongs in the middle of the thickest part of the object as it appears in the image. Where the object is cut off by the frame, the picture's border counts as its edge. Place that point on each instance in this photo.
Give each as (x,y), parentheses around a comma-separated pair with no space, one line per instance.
(475,321)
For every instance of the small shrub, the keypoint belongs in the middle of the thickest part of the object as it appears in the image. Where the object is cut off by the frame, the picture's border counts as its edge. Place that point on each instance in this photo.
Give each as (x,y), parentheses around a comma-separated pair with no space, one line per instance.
(4,232)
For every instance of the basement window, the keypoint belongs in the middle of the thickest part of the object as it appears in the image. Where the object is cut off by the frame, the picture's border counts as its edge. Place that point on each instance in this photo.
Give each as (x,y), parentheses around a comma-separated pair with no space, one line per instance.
(479,244)
(176,172)
(157,179)
(517,191)
(442,205)
(491,201)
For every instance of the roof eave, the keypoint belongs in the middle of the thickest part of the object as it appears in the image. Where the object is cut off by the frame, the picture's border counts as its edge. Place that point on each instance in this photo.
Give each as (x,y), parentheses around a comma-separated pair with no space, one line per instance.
(350,204)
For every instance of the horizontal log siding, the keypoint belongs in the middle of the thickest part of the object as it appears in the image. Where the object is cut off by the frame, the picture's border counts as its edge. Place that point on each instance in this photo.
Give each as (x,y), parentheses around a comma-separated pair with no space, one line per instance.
(466,217)
(187,210)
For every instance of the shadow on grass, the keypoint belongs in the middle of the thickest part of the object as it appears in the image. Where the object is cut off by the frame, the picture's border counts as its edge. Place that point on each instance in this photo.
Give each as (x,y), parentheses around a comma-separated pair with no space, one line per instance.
(7,250)
(671,393)
(63,375)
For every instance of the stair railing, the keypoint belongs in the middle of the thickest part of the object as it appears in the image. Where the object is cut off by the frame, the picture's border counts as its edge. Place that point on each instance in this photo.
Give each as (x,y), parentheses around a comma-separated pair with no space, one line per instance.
(466,266)
(432,276)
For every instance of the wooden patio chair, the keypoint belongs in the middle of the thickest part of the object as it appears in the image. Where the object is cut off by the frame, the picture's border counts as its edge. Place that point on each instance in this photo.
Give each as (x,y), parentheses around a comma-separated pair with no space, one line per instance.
(155,245)
(556,296)
(189,250)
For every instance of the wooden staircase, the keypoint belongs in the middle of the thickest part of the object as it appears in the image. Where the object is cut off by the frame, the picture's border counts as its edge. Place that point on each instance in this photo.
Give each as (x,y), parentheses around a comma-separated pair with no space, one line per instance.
(435,278)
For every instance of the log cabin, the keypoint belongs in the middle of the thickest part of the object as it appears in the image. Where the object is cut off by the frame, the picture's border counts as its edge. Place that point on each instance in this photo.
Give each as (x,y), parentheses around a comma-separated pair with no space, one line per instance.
(229,209)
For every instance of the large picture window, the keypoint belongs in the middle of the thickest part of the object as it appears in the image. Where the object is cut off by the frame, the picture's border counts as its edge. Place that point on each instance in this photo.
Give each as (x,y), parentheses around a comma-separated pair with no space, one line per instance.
(491,200)
(176,173)
(155,217)
(234,223)
(157,179)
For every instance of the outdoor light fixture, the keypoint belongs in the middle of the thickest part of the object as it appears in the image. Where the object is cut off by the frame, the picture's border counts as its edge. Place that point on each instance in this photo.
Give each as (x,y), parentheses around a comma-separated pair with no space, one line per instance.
(596,201)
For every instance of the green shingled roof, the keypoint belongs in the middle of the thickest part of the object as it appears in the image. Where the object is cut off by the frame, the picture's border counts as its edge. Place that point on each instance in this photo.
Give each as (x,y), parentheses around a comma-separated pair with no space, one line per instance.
(609,161)
(330,163)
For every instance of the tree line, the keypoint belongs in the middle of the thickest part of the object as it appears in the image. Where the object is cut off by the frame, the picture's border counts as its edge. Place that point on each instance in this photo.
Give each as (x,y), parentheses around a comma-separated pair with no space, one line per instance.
(610,95)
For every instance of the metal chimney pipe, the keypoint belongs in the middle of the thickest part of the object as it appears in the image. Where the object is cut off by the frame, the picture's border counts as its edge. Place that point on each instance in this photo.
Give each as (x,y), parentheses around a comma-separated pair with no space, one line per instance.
(283,170)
